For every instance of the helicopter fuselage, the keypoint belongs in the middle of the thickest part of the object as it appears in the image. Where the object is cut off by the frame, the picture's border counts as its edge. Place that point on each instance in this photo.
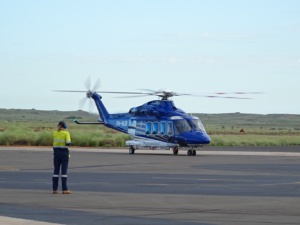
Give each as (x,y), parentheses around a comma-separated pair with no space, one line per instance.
(155,124)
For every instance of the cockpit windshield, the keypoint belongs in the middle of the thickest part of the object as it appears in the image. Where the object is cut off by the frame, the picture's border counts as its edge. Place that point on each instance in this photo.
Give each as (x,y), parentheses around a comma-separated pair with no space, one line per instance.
(198,125)
(182,126)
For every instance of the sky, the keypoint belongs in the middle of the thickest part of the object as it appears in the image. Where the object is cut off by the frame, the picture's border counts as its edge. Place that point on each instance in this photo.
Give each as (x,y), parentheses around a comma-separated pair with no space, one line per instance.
(187,46)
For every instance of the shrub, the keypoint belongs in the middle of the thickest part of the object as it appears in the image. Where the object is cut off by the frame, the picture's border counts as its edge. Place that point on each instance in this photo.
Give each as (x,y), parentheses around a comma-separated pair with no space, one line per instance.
(44,138)
(18,135)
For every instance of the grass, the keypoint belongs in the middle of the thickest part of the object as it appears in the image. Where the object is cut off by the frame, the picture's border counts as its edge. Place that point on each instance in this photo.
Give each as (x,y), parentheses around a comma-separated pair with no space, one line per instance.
(254,140)
(33,134)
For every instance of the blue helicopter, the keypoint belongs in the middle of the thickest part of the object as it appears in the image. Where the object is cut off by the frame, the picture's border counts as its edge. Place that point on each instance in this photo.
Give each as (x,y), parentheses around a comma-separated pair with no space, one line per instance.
(157,124)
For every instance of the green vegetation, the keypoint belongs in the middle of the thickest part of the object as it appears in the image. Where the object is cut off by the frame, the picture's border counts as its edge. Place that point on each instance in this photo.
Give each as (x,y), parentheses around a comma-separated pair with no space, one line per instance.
(258,130)
(35,127)
(254,140)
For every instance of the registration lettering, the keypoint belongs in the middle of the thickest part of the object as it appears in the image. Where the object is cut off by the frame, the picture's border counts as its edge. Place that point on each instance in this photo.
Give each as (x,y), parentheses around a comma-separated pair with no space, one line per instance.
(122,123)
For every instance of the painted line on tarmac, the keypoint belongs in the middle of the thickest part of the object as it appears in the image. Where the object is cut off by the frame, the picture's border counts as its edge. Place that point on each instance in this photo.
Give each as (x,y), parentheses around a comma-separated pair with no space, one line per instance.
(249,153)
(16,221)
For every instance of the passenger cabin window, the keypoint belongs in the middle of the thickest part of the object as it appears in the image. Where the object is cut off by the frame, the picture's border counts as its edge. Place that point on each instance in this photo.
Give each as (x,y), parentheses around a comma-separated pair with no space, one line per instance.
(155,128)
(148,128)
(170,131)
(162,128)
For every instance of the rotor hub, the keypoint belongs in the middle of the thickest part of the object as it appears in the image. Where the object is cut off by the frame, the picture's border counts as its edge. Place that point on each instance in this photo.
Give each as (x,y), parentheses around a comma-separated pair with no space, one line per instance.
(89,94)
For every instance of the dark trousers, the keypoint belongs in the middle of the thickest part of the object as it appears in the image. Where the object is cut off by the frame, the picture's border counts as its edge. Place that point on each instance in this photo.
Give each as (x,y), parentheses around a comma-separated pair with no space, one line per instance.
(60,162)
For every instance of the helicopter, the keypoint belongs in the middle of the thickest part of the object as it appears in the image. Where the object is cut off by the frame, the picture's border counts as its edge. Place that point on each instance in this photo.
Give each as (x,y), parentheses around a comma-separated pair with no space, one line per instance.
(157,124)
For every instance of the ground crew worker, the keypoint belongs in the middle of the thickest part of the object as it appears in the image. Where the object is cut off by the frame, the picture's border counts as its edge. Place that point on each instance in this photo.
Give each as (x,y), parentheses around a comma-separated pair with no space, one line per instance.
(61,141)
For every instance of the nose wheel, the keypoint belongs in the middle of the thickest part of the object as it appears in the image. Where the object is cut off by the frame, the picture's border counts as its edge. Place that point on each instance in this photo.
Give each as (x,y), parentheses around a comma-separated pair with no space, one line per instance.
(191,152)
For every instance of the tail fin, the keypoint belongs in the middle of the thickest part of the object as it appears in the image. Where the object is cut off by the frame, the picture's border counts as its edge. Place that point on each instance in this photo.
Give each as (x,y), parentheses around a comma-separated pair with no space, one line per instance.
(103,113)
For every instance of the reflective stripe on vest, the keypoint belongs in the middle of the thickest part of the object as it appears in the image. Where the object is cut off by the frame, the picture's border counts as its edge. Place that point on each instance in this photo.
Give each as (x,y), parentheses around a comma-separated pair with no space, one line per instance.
(61,138)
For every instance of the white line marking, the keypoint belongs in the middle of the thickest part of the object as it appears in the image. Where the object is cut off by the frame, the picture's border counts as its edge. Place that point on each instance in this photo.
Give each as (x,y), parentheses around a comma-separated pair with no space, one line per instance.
(15,221)
(248,153)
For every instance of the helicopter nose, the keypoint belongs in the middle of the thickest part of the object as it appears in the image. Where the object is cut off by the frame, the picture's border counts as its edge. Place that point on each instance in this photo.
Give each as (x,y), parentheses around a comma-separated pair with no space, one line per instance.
(206,139)
(196,138)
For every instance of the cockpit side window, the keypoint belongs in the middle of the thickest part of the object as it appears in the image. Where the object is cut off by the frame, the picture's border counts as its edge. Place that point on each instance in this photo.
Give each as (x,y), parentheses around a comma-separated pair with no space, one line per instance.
(182,126)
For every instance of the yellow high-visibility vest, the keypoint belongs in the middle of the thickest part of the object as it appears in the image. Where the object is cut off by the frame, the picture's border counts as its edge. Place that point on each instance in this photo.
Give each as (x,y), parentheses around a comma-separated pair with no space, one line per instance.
(61,138)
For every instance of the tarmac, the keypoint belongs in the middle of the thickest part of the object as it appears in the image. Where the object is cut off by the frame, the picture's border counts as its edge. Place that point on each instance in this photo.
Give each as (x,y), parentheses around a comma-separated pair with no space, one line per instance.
(218,186)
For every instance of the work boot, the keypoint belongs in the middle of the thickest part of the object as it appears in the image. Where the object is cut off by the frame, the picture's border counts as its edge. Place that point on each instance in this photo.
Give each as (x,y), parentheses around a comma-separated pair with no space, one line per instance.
(55,192)
(67,192)
(55,182)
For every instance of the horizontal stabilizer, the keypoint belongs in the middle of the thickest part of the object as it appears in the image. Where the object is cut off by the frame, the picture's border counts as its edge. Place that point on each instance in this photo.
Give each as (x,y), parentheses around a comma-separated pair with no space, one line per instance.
(76,121)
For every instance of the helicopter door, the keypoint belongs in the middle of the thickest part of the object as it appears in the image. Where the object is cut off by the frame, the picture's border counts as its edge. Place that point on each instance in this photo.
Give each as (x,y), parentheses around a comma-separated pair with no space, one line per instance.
(131,128)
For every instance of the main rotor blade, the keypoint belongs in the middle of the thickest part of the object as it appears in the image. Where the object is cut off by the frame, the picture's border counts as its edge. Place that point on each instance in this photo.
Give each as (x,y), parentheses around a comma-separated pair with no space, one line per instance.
(69,91)
(106,92)
(236,93)
(215,96)
(122,92)
(148,90)
(136,96)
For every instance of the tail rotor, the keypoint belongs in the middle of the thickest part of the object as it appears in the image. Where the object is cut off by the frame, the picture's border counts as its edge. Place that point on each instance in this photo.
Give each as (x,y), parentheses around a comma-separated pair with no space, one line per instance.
(89,92)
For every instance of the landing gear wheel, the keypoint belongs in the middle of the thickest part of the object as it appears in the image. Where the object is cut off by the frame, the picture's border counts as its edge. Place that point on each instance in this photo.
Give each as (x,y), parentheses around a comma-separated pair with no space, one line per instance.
(194,152)
(175,151)
(189,152)
(131,150)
